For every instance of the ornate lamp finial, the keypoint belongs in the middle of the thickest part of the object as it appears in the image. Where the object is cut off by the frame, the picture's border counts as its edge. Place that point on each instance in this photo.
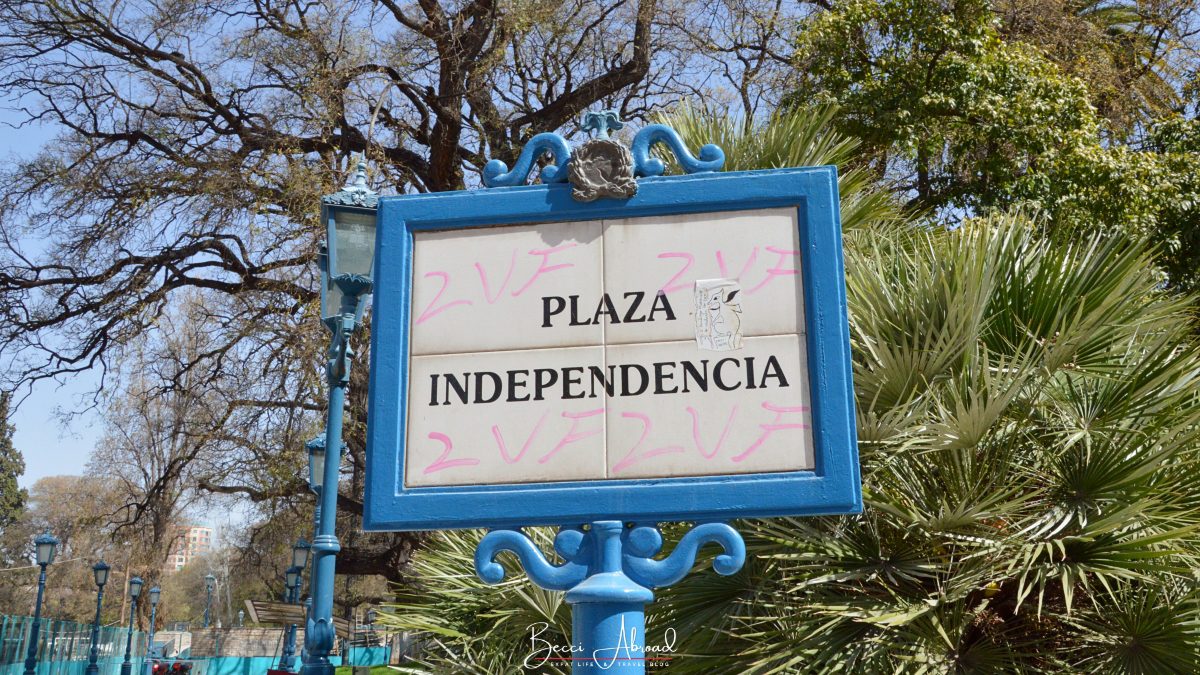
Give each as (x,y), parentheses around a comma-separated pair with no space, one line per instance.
(360,175)
(600,123)
(355,192)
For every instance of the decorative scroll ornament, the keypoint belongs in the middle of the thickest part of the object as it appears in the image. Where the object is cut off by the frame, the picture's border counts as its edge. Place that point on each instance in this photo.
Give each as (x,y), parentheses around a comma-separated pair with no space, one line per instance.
(602,166)
(712,158)
(497,174)
(595,550)
(608,574)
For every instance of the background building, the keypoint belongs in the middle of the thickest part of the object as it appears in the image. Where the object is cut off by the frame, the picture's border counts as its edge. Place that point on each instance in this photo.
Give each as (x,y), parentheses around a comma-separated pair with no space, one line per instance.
(193,541)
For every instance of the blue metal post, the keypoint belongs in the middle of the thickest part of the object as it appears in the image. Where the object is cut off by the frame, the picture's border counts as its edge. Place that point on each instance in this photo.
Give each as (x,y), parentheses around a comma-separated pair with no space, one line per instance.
(127,664)
(304,645)
(288,658)
(312,570)
(31,654)
(207,603)
(608,576)
(146,664)
(319,632)
(94,652)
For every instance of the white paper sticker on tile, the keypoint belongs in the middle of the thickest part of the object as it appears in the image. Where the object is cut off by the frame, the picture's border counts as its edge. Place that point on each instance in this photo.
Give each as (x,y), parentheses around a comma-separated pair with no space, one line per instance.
(718,315)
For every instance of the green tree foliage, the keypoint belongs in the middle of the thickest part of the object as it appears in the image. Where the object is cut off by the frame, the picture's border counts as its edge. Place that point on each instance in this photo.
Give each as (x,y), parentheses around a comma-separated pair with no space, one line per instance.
(801,137)
(964,115)
(12,466)
(940,101)
(74,509)
(1129,52)
(1152,193)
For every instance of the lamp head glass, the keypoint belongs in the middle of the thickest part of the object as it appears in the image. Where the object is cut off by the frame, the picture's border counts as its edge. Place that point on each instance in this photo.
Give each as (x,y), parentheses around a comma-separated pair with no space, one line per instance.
(46,545)
(300,553)
(316,463)
(349,217)
(100,572)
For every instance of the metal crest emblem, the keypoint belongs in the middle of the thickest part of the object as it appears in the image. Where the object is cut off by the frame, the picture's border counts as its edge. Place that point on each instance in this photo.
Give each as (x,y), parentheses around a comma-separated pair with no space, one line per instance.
(601,167)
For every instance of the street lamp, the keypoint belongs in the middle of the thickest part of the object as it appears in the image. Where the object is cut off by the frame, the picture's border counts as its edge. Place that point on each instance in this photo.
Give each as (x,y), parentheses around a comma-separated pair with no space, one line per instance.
(300,551)
(135,590)
(155,594)
(316,477)
(346,266)
(209,582)
(100,572)
(349,217)
(316,465)
(290,595)
(46,545)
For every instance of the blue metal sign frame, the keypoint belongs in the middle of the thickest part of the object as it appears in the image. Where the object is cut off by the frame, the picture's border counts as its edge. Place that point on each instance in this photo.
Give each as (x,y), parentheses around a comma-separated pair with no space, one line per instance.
(832,487)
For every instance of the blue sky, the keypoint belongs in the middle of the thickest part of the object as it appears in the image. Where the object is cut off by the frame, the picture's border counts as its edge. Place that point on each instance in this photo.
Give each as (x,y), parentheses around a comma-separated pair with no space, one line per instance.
(50,447)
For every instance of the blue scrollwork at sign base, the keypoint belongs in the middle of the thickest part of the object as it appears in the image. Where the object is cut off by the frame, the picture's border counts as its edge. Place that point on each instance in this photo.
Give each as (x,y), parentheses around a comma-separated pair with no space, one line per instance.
(497,174)
(579,549)
(645,541)
(570,544)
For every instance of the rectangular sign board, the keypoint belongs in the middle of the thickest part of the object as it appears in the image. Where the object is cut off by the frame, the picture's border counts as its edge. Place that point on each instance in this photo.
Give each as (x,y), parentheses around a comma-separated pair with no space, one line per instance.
(680,355)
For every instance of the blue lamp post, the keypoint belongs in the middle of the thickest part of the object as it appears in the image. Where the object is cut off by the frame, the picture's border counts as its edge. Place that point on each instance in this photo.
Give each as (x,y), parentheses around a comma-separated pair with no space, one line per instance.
(46,546)
(316,478)
(100,572)
(316,475)
(155,593)
(209,582)
(292,583)
(346,268)
(135,590)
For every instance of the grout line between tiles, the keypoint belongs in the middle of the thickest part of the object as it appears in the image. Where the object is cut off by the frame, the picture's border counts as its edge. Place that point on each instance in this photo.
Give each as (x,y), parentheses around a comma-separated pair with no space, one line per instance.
(604,350)
(601,345)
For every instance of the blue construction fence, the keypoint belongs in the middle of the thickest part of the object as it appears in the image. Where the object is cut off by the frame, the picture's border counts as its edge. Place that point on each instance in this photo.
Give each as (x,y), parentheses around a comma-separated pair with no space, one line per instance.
(63,647)
(257,665)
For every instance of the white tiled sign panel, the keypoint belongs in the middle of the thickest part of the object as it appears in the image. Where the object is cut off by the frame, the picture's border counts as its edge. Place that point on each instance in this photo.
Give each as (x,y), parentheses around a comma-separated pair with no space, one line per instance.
(608,350)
